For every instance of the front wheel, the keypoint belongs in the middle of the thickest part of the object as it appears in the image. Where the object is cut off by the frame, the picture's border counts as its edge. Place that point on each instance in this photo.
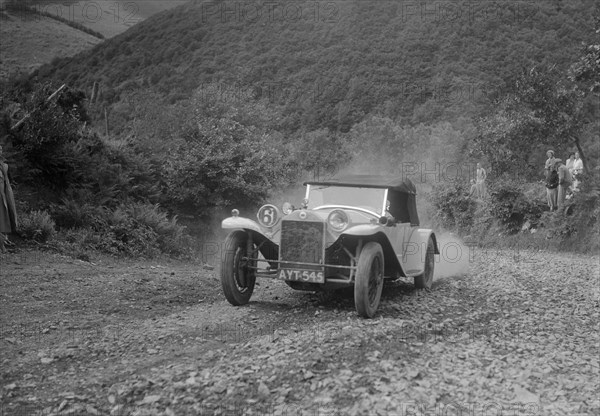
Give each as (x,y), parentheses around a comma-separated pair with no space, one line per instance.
(425,281)
(237,279)
(369,280)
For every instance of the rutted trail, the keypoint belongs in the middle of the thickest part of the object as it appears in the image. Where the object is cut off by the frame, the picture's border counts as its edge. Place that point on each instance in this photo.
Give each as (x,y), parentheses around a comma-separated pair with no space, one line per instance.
(149,338)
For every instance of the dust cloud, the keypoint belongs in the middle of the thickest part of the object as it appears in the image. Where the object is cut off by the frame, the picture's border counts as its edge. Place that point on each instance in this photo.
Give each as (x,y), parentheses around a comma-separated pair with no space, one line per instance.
(454,259)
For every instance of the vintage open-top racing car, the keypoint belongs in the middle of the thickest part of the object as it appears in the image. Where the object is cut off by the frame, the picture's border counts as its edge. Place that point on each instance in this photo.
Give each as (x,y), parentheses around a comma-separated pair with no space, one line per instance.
(351,231)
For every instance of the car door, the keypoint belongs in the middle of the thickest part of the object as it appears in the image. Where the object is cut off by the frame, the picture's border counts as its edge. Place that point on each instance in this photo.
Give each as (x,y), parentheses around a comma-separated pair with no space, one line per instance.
(398,235)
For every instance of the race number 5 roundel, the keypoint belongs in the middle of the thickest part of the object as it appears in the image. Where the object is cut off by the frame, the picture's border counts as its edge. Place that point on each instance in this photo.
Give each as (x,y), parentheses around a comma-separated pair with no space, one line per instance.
(268,215)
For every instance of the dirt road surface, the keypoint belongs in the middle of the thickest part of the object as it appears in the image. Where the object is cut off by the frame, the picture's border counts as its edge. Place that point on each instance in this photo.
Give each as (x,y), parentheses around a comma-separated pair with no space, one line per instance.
(504,333)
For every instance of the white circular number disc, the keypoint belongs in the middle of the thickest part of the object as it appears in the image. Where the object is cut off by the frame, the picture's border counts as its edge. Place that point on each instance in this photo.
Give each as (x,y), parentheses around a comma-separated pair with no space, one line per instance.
(268,215)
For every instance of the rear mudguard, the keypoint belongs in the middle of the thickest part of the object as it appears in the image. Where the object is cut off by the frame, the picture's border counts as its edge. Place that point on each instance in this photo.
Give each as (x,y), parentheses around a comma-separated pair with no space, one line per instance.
(411,262)
(415,251)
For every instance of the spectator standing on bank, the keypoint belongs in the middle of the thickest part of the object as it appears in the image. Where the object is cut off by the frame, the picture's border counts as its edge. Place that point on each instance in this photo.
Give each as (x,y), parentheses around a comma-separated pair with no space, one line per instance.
(577,171)
(480,182)
(473,190)
(552,188)
(577,165)
(550,162)
(565,180)
(8,212)
(570,162)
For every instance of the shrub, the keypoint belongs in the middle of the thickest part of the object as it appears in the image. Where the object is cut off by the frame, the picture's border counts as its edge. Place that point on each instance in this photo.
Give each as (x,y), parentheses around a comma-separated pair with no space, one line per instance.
(169,236)
(510,205)
(223,163)
(123,238)
(132,229)
(43,142)
(453,207)
(130,237)
(37,226)
(577,225)
(72,213)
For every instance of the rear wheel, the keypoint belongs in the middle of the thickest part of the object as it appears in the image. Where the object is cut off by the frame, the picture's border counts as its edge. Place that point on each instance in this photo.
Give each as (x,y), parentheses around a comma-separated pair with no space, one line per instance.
(369,280)
(425,281)
(237,279)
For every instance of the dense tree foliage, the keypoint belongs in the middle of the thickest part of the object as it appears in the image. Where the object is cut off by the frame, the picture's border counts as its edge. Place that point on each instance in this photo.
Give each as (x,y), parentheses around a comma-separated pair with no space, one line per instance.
(329,68)
(586,71)
(200,108)
(539,112)
(546,107)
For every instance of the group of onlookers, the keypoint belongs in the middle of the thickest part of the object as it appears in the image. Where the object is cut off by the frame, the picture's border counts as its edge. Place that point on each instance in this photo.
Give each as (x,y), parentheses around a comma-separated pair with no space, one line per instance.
(561,179)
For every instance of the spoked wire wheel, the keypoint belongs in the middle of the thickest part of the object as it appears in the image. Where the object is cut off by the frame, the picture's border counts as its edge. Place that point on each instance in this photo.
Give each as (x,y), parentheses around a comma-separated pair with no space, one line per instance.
(237,278)
(425,281)
(369,280)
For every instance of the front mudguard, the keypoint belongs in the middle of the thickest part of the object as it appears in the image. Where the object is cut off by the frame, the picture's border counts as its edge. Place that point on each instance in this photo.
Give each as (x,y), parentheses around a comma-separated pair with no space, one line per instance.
(372,232)
(240,223)
(268,248)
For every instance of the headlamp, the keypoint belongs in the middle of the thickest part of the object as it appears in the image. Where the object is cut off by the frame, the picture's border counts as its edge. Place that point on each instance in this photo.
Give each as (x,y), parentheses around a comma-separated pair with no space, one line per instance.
(338,220)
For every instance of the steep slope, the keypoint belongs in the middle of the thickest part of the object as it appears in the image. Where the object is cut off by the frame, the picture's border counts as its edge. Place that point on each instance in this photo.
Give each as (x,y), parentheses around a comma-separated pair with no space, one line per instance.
(28,42)
(330,64)
(108,17)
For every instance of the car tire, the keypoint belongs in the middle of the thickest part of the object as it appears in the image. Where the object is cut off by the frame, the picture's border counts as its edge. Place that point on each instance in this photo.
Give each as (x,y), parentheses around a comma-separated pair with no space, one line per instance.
(236,279)
(425,280)
(369,280)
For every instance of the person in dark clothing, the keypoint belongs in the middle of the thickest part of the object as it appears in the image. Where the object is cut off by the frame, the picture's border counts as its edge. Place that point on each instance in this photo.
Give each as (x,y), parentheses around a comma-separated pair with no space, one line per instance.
(550,162)
(8,212)
(552,188)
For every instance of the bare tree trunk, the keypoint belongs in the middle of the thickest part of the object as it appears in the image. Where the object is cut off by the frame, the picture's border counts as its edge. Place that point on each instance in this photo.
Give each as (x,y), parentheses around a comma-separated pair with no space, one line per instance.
(94,91)
(106,121)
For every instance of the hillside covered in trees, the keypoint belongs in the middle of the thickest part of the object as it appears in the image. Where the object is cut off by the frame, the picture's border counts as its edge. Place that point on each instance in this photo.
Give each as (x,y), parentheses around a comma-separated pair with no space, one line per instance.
(329,64)
(208,106)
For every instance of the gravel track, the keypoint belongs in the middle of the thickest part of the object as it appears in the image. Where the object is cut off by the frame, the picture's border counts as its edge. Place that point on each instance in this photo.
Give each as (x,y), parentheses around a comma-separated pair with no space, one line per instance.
(504,334)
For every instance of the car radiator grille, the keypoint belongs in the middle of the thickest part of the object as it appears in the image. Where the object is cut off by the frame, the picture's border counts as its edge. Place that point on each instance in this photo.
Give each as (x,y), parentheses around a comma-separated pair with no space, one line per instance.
(301,241)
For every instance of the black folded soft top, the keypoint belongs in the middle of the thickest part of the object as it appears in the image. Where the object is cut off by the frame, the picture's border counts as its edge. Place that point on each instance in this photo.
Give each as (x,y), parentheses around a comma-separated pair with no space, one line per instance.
(401,192)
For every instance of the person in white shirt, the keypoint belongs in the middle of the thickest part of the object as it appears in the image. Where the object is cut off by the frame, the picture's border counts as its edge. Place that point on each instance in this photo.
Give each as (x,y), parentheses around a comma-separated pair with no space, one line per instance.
(577,164)
(570,162)
(577,171)
(481,176)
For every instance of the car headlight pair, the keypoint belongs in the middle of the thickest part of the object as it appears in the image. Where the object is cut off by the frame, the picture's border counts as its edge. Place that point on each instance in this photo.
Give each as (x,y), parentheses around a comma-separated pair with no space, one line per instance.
(268,215)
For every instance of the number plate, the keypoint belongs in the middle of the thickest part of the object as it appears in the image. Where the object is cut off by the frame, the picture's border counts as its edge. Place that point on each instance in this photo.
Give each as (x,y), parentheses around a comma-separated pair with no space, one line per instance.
(310,276)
